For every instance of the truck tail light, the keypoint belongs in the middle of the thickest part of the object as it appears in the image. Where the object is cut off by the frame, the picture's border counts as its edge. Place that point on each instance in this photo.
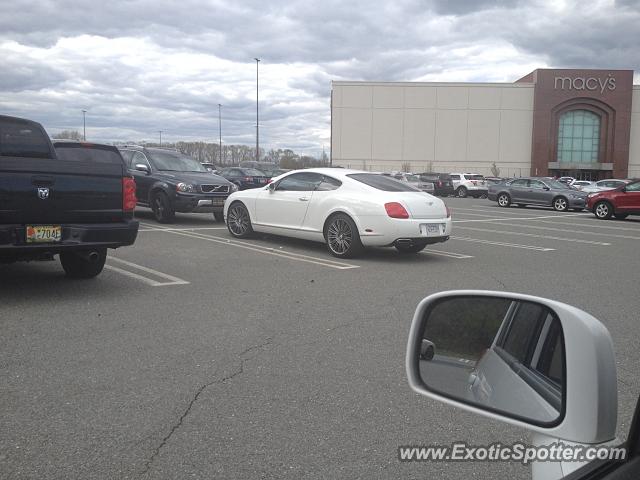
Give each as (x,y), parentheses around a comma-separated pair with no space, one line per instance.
(396,210)
(129,199)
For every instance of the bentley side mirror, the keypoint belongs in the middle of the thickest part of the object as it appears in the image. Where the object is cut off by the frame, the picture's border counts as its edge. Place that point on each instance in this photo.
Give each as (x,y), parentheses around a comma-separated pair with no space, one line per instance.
(271,187)
(141,167)
(528,361)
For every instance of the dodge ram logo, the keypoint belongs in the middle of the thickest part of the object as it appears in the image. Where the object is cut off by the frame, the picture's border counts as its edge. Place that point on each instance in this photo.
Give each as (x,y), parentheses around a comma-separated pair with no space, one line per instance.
(43,193)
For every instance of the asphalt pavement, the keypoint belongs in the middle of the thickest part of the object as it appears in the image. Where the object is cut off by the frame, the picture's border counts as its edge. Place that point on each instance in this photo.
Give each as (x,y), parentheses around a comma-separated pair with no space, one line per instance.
(195,355)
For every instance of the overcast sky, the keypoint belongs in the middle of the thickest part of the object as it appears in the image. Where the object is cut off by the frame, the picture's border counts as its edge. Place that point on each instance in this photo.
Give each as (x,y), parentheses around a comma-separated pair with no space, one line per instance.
(139,66)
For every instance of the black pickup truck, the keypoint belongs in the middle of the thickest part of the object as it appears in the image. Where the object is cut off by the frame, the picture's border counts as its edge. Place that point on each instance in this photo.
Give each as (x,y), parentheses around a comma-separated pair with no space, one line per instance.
(75,200)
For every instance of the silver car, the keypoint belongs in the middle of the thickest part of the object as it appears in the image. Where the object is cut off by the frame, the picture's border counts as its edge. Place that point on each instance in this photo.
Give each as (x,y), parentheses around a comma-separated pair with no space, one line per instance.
(604,185)
(416,182)
(538,191)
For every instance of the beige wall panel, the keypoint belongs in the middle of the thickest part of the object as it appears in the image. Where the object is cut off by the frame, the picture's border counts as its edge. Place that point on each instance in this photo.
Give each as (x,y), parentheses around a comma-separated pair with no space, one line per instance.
(484,98)
(356,96)
(634,145)
(515,138)
(419,130)
(387,134)
(355,140)
(420,97)
(517,98)
(452,97)
(451,135)
(483,137)
(388,97)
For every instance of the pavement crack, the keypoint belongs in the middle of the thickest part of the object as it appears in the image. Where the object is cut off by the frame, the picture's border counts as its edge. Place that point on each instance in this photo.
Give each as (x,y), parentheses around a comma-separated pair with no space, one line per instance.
(178,424)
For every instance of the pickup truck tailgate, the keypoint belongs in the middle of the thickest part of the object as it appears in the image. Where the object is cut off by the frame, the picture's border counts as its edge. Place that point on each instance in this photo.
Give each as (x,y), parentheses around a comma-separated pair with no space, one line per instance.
(56,192)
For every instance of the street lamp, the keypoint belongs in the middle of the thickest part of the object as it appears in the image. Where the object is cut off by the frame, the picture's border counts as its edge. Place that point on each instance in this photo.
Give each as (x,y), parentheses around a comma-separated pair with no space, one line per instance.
(257,117)
(160,132)
(220,129)
(84,126)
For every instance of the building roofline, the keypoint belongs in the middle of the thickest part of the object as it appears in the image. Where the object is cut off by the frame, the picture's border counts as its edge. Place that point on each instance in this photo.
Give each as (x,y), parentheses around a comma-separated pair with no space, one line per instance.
(351,83)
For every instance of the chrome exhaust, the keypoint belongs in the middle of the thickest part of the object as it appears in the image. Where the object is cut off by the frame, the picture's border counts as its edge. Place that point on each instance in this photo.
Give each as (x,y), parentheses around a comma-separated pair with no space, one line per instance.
(90,256)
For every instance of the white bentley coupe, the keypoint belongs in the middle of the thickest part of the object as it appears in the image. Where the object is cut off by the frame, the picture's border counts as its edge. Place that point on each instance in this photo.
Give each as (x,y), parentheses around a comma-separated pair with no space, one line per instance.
(346,209)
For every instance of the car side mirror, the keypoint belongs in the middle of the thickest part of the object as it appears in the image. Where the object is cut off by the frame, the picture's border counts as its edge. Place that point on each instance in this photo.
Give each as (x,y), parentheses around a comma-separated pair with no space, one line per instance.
(528,361)
(271,187)
(546,188)
(141,167)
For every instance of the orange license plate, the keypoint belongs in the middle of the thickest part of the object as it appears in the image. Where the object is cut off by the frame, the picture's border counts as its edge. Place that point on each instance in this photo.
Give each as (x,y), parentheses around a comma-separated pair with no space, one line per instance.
(44,233)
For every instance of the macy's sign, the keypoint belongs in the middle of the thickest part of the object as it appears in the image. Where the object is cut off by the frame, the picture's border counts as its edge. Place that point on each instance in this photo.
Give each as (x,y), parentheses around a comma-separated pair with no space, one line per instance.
(585,83)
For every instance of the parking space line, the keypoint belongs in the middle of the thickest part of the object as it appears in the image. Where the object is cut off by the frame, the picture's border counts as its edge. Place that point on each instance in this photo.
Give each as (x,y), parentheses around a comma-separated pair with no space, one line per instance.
(186,229)
(518,211)
(608,227)
(149,281)
(503,244)
(514,218)
(537,227)
(447,254)
(572,240)
(265,250)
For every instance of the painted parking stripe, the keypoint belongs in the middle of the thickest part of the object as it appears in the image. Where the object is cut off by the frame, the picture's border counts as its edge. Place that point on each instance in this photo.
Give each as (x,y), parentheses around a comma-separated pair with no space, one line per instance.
(446,254)
(582,232)
(503,244)
(507,219)
(185,229)
(171,280)
(261,249)
(572,240)
(518,212)
(515,211)
(608,226)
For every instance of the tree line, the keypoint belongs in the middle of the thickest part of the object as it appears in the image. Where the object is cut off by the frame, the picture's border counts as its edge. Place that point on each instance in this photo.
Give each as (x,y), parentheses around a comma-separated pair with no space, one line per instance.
(231,154)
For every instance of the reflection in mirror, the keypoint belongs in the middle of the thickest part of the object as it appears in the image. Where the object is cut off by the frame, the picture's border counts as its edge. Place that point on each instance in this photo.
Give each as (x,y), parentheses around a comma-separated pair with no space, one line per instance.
(497,354)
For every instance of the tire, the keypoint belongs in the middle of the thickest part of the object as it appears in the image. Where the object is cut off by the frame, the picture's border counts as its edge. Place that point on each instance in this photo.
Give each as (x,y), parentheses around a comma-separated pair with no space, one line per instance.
(560,204)
(76,266)
(342,236)
(603,210)
(504,200)
(411,249)
(219,216)
(239,221)
(162,208)
(620,216)
(521,205)
(461,192)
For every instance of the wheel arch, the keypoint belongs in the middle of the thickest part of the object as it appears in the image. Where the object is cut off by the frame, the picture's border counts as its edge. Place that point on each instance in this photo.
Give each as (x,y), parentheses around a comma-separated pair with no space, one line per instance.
(344,211)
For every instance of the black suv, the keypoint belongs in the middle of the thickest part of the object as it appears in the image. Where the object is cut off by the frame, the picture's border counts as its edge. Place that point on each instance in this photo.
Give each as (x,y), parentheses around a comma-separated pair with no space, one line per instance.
(442,184)
(168,181)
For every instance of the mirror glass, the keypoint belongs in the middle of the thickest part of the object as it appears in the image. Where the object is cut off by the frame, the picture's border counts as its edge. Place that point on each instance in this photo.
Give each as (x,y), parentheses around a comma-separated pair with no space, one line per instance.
(498,354)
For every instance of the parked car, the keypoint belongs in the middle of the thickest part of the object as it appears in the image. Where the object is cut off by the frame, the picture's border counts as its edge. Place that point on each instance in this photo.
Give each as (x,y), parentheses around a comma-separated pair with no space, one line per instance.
(494,180)
(346,209)
(567,180)
(580,184)
(169,182)
(210,166)
(537,191)
(415,181)
(75,201)
(442,183)
(604,185)
(245,178)
(465,184)
(268,168)
(619,203)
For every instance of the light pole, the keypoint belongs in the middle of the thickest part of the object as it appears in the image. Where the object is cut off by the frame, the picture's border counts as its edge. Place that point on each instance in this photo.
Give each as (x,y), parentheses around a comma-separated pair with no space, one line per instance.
(160,132)
(84,125)
(220,129)
(257,116)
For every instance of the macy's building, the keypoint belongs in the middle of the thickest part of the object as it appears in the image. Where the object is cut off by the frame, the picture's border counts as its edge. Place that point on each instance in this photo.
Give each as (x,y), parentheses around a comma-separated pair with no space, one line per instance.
(582,123)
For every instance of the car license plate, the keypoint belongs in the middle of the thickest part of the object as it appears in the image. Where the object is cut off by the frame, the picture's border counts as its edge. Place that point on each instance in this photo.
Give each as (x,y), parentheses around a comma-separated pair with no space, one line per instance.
(44,233)
(218,201)
(262,180)
(430,229)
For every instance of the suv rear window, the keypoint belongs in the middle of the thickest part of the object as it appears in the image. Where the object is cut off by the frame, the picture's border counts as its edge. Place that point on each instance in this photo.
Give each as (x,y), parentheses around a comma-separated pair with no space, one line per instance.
(474,177)
(381,182)
(23,139)
(83,153)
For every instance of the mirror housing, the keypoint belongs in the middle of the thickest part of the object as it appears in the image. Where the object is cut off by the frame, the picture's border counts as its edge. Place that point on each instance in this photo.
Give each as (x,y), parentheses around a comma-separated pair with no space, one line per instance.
(271,187)
(141,167)
(591,403)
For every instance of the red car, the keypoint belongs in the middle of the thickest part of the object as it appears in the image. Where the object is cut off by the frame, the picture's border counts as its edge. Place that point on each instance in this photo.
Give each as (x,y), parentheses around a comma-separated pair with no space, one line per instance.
(619,203)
